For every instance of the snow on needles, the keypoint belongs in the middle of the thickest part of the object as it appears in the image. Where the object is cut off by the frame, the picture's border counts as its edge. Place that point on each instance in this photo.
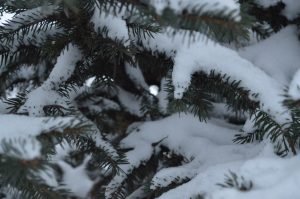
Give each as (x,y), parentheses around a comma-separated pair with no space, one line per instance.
(211,154)
(207,5)
(203,144)
(46,93)
(28,17)
(65,65)
(291,10)
(29,127)
(206,55)
(198,57)
(114,24)
(275,60)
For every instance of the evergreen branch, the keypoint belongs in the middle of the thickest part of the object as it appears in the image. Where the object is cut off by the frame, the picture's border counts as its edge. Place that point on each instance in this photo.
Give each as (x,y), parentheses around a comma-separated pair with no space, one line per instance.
(249,137)
(195,100)
(116,6)
(22,5)
(14,104)
(238,182)
(24,55)
(23,180)
(266,127)
(220,25)
(149,106)
(101,156)
(79,136)
(222,86)
(178,180)
(28,20)
(206,88)
(142,29)
(199,196)
(135,178)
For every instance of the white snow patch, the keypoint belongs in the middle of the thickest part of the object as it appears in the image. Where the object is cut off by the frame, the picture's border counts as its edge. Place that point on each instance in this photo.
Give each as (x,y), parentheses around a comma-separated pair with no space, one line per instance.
(65,65)
(211,151)
(277,55)
(90,81)
(129,102)
(136,75)
(76,179)
(3,107)
(114,24)
(294,89)
(23,134)
(5,17)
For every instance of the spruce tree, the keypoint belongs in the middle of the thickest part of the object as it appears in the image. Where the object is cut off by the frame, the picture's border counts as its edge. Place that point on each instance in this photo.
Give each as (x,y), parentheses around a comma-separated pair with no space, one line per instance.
(79,118)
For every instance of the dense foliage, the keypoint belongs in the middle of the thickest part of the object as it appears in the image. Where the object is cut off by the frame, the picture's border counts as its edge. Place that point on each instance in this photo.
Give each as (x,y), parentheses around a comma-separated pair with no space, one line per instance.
(75,76)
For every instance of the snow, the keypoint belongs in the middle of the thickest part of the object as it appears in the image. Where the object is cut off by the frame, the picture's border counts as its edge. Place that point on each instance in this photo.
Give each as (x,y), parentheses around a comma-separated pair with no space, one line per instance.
(3,107)
(212,154)
(5,17)
(27,148)
(264,67)
(193,57)
(72,176)
(207,5)
(100,104)
(270,175)
(45,94)
(275,61)
(114,24)
(65,65)
(28,16)
(129,102)
(226,61)
(13,22)
(291,10)
(48,175)
(29,127)
(32,38)
(90,81)
(164,42)
(136,75)
(205,144)
(25,72)
(294,89)
(163,96)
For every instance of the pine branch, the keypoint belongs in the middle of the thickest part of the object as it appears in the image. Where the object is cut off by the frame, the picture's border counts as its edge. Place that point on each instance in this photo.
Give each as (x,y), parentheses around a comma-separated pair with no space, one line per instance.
(268,128)
(24,180)
(238,182)
(14,104)
(220,25)
(207,88)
